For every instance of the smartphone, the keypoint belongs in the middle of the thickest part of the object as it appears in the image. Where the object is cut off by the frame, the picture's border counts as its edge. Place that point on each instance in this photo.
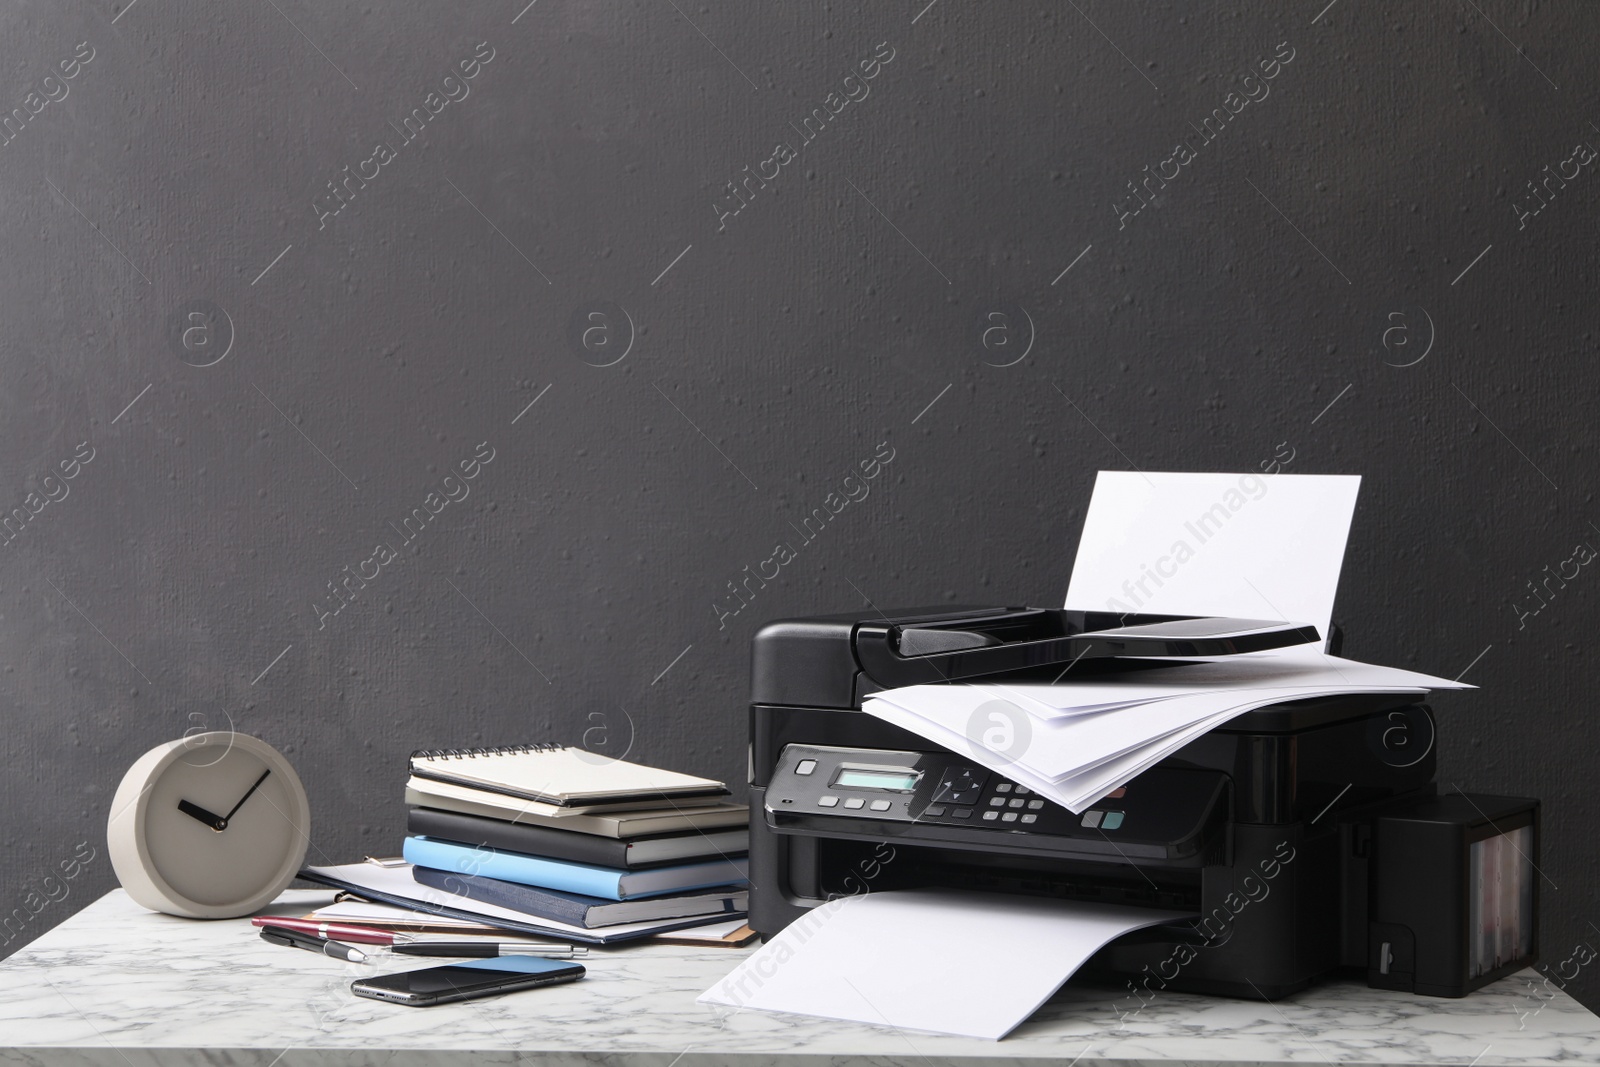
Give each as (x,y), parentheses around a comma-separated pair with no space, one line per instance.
(467,981)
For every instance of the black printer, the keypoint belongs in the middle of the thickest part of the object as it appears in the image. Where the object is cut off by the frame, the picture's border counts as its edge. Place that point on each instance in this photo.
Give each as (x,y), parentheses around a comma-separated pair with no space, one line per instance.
(1307,838)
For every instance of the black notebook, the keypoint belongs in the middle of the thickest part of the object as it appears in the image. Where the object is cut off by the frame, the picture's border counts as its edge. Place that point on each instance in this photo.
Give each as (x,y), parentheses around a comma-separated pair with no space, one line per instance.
(578,910)
(557,774)
(635,853)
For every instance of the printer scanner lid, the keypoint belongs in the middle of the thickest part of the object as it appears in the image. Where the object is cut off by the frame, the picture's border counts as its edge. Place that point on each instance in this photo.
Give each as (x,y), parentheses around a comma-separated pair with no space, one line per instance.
(816,661)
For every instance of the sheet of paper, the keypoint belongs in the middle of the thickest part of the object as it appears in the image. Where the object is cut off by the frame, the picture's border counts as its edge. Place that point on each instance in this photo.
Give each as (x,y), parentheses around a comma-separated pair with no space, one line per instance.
(1083,790)
(1072,761)
(1059,748)
(716,932)
(359,911)
(1301,665)
(1254,546)
(973,964)
(1305,668)
(1015,770)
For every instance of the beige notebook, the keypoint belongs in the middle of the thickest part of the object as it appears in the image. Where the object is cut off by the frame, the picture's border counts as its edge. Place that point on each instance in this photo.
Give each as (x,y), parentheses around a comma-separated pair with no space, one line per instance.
(558,775)
(610,822)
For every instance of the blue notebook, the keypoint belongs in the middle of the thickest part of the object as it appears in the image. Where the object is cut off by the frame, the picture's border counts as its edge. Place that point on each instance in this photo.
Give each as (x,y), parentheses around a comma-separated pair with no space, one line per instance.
(612,883)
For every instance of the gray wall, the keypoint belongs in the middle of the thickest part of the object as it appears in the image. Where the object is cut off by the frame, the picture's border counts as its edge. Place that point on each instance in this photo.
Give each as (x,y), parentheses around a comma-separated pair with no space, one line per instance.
(575,591)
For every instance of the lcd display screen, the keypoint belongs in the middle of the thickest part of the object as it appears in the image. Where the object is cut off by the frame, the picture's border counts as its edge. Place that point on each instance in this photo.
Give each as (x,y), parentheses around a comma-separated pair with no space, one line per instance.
(864,778)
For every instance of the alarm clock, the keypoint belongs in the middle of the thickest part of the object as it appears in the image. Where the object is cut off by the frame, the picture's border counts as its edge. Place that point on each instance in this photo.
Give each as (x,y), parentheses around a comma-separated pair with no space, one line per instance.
(210,826)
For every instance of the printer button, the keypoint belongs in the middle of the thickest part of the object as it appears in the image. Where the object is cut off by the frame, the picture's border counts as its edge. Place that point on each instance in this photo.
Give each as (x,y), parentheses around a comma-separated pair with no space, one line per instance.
(933,810)
(1112,820)
(990,816)
(827,802)
(1003,787)
(997,802)
(1016,803)
(1009,816)
(854,802)
(880,805)
(1091,819)
(1022,790)
(961,786)
(805,766)
(1030,818)
(962,813)
(1035,805)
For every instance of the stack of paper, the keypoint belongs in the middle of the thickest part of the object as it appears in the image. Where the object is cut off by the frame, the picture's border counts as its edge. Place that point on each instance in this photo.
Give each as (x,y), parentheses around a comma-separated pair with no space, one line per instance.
(1075,742)
(1246,545)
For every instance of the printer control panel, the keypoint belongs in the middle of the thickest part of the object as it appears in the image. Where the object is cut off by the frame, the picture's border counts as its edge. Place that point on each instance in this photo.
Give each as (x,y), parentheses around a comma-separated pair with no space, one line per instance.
(931,788)
(1173,815)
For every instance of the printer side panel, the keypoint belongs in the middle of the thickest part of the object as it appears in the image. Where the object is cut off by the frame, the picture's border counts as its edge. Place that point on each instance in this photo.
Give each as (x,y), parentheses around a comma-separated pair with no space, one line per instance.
(774,907)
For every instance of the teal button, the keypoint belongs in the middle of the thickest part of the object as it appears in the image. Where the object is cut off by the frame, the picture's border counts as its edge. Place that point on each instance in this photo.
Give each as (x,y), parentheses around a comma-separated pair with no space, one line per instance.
(1112,820)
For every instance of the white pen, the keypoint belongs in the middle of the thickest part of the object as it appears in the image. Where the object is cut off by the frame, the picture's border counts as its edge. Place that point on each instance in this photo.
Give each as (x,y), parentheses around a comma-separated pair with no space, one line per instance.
(486,949)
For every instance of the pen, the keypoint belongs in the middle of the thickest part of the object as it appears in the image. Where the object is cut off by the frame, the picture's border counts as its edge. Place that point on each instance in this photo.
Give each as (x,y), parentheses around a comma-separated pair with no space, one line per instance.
(314,928)
(295,939)
(366,935)
(484,948)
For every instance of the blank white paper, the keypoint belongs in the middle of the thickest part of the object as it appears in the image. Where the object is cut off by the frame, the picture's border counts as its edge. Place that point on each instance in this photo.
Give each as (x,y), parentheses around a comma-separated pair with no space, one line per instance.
(1299,668)
(1117,744)
(1063,747)
(1254,546)
(973,964)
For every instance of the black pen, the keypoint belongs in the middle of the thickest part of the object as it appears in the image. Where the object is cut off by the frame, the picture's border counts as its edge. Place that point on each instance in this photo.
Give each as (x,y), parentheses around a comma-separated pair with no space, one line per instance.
(294,939)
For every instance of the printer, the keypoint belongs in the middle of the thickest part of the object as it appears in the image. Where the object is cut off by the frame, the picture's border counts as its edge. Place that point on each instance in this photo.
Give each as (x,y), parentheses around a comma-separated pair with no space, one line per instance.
(1305,839)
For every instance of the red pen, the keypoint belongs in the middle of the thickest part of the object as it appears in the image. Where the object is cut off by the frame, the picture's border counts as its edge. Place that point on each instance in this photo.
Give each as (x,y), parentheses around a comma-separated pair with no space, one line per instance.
(413,945)
(364,935)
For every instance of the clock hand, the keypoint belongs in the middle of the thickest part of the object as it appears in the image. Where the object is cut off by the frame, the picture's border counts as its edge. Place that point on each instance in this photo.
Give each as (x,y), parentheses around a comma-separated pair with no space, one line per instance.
(195,811)
(246,796)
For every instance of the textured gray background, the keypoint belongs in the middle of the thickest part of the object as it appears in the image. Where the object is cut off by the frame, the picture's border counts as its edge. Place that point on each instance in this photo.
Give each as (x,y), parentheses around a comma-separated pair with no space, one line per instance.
(175,585)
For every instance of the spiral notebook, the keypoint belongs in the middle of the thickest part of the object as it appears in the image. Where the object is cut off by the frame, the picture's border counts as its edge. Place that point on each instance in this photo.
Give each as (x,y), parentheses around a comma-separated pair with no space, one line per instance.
(558,774)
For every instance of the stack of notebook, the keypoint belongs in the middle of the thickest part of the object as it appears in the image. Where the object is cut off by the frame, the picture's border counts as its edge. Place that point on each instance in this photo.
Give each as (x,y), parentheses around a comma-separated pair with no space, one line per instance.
(572,839)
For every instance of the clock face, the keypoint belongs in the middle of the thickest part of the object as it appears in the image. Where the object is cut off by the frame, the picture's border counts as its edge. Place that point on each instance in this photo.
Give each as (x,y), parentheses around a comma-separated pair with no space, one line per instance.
(210,826)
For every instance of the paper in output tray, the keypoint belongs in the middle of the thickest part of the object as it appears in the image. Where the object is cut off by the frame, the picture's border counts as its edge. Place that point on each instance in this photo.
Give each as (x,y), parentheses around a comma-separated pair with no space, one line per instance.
(949,962)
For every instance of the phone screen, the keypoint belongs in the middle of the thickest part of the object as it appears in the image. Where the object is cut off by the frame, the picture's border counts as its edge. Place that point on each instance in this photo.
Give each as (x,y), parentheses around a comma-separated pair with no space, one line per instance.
(462,981)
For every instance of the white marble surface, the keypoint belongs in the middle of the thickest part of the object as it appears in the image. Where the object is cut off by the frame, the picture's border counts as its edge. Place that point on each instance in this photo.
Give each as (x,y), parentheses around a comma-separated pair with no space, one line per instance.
(121,987)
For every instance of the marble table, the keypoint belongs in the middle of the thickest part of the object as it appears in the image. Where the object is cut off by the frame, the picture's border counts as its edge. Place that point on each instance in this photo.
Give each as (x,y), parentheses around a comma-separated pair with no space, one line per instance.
(116,986)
